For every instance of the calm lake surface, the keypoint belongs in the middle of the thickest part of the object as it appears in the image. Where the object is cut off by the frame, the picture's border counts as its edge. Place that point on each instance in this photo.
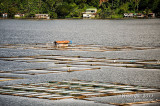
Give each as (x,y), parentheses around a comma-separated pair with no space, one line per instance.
(133,32)
(136,32)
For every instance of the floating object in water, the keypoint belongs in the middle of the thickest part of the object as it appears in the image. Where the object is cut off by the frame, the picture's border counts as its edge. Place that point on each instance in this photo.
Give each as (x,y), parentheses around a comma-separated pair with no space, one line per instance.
(62,43)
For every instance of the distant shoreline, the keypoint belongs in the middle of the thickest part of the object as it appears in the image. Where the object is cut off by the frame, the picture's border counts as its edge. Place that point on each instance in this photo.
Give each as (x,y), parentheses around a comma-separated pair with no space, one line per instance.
(78,18)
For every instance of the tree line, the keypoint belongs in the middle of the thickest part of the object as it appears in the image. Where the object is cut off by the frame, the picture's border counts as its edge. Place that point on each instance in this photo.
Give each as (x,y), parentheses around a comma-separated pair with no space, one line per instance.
(74,8)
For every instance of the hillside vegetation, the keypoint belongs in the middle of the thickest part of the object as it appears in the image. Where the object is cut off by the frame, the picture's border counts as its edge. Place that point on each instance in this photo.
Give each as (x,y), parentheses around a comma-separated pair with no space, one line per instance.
(74,8)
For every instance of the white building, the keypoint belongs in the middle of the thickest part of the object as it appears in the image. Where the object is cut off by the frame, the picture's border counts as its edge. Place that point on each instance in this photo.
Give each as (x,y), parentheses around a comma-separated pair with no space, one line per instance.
(128,14)
(90,13)
(152,15)
(42,16)
(18,15)
(5,15)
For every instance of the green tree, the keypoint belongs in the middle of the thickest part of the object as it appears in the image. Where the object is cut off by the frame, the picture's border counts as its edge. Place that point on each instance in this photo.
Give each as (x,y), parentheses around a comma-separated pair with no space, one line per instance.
(63,10)
(74,8)
(94,3)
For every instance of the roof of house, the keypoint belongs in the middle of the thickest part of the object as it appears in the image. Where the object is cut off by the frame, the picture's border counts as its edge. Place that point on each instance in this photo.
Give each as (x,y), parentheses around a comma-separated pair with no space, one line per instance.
(91,9)
(41,14)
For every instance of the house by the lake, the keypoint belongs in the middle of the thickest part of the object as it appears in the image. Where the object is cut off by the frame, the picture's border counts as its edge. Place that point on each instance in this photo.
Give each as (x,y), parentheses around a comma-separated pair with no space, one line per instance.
(139,15)
(19,15)
(5,15)
(90,13)
(151,15)
(42,16)
(128,14)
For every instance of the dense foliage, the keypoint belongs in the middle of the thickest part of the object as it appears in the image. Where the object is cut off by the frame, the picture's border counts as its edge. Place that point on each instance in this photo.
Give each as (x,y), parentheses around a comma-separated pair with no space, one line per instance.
(74,8)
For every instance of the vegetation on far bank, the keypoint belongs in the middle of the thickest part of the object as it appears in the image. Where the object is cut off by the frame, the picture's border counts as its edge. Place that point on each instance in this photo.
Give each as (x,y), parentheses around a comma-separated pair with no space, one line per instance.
(74,8)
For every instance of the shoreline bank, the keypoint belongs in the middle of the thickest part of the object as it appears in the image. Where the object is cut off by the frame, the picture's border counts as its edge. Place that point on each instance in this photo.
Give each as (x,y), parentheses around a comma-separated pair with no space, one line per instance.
(78,18)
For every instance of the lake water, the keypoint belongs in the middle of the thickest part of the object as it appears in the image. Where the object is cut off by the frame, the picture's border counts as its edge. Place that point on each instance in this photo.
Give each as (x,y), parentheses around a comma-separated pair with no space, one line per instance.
(135,32)
(131,32)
